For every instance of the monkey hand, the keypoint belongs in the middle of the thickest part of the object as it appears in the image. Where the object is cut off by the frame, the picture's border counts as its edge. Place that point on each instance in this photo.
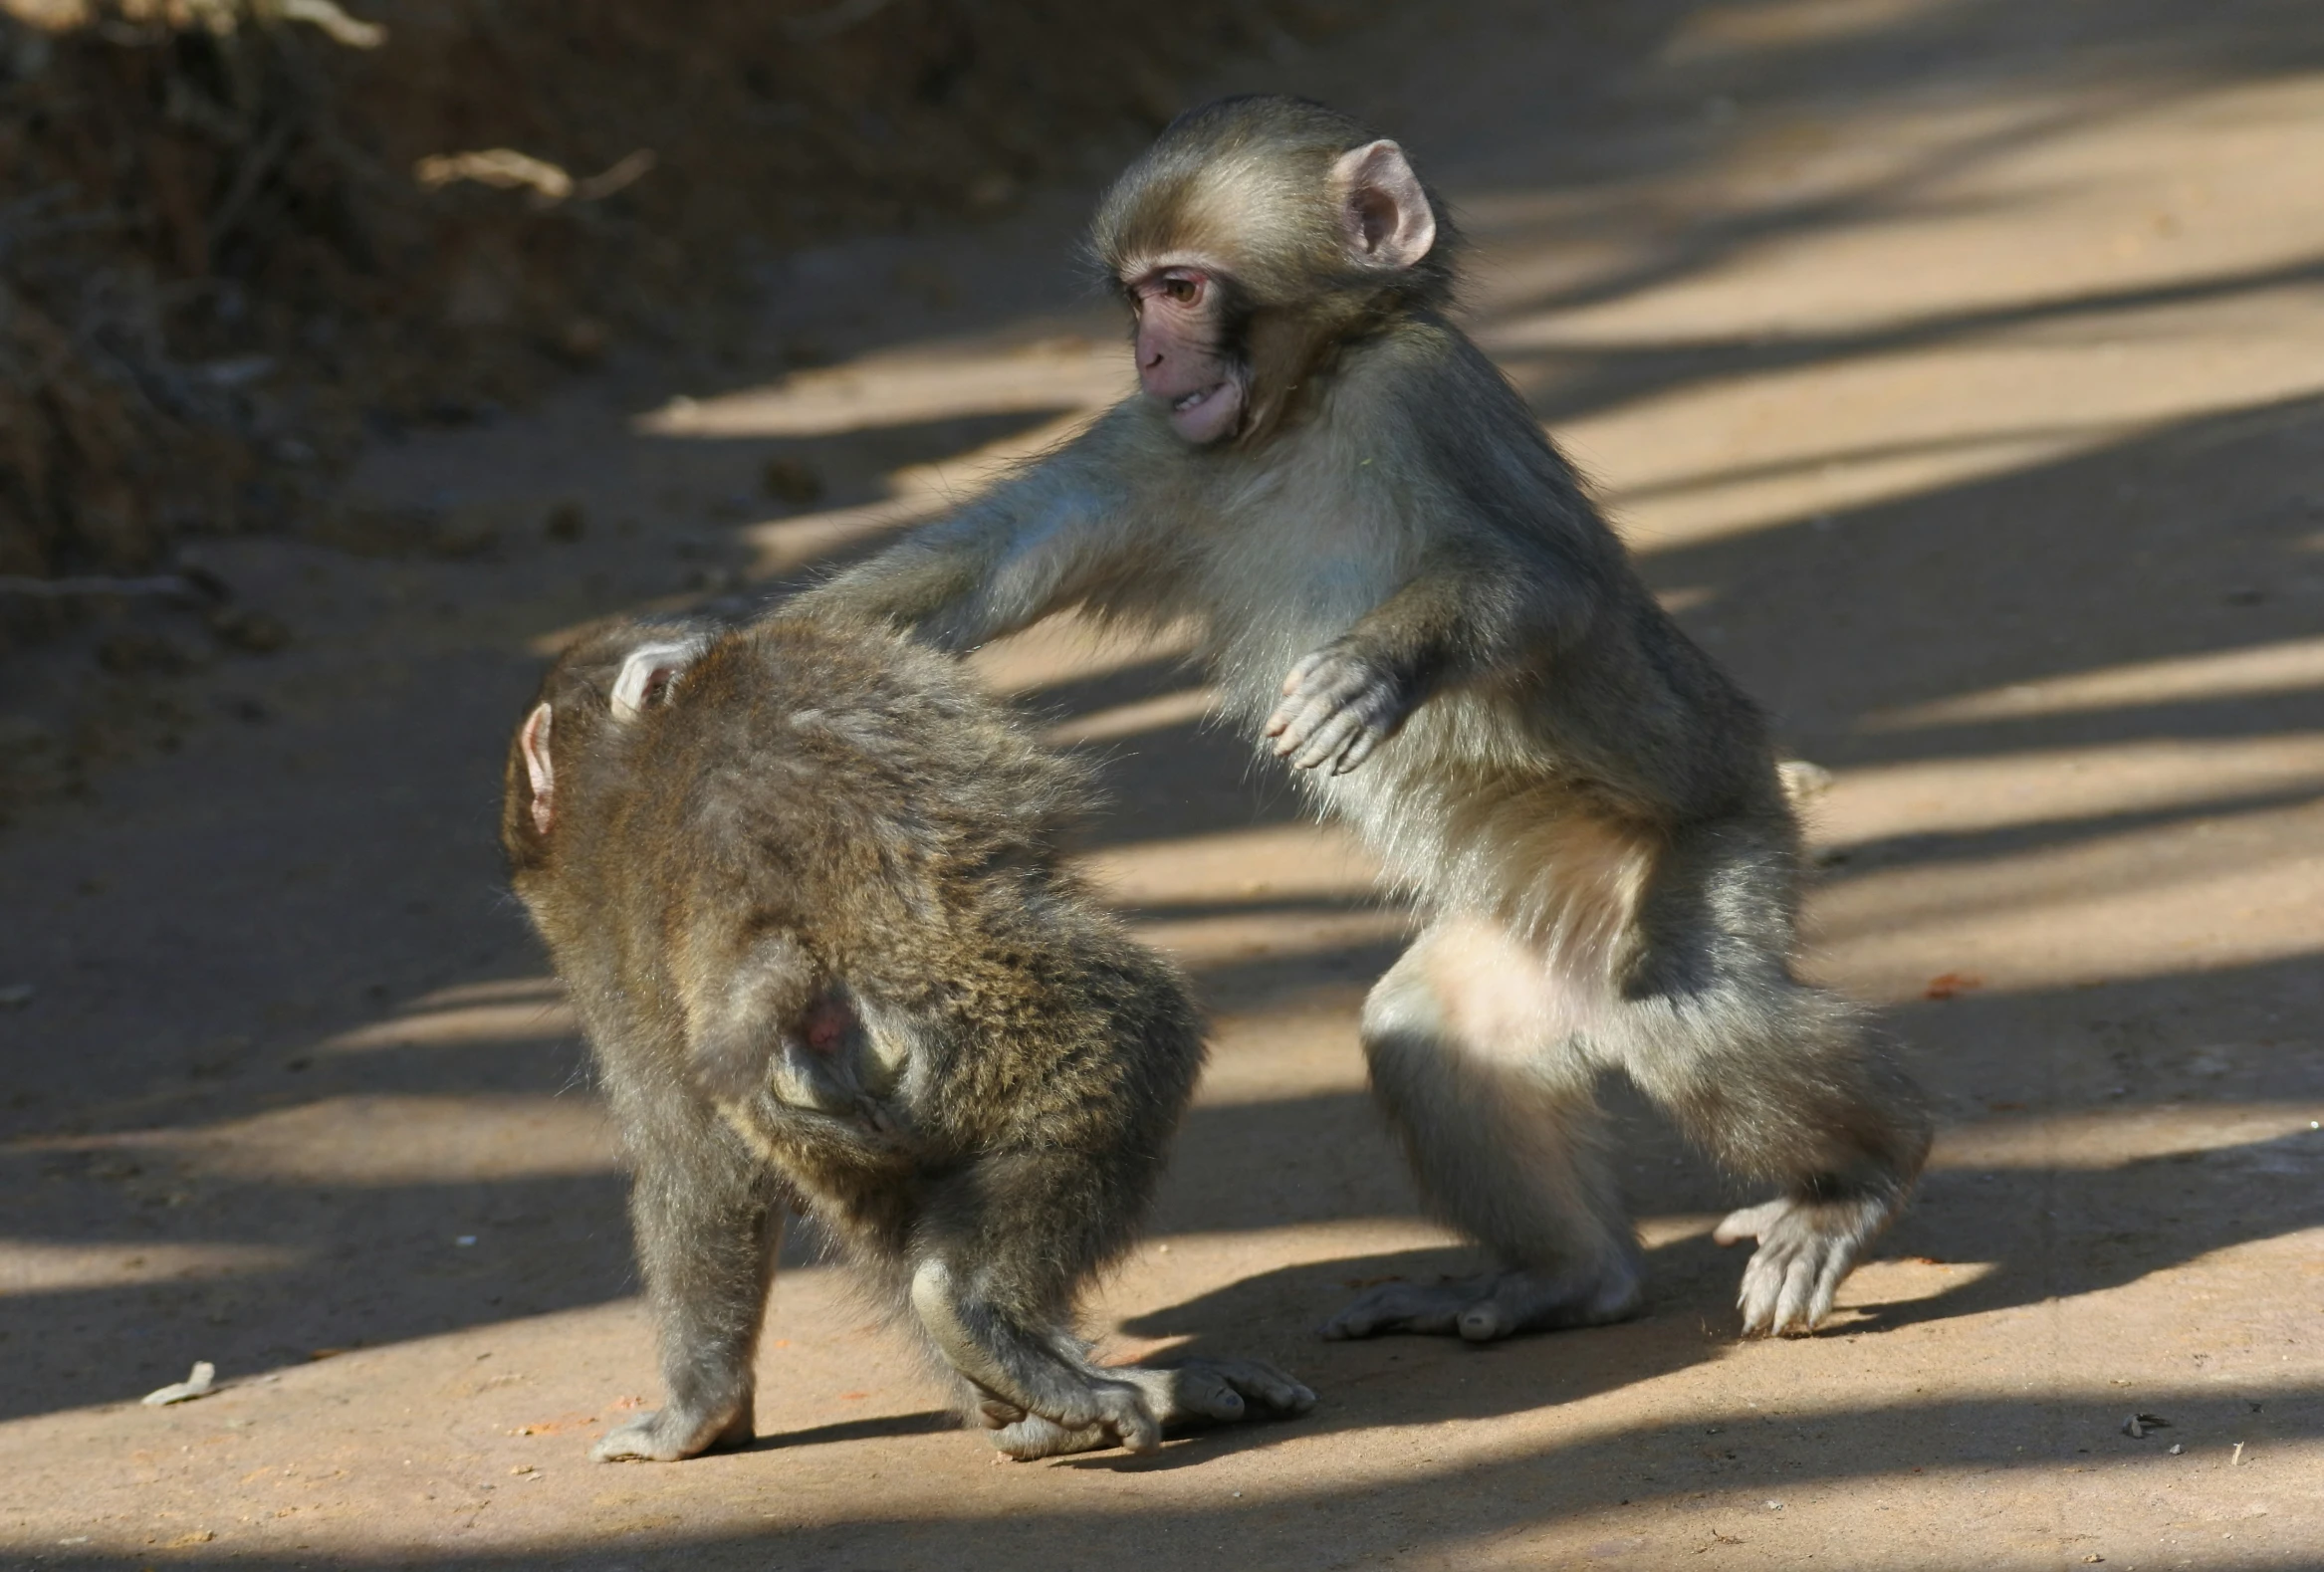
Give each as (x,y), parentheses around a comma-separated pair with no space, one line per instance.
(671,1434)
(1339,705)
(1805,1248)
(1224,1391)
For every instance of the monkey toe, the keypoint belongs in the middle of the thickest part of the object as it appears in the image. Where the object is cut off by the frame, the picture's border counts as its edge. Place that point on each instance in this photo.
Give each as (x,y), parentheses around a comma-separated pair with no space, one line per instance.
(1204,1394)
(1224,1391)
(1033,1438)
(1788,1295)
(1483,1323)
(1792,1302)
(1423,1308)
(1751,1223)
(1806,1248)
(1270,1387)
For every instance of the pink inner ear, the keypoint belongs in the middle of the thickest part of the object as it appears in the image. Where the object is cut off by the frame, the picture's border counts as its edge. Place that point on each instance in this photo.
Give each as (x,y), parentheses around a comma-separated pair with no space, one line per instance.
(540,773)
(1385,210)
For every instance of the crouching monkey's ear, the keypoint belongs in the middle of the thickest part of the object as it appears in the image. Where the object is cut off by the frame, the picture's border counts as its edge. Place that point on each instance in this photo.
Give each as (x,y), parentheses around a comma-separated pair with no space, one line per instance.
(649,674)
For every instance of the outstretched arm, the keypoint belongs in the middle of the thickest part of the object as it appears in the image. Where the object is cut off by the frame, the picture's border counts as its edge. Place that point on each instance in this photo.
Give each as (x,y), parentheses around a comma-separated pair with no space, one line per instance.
(1031,544)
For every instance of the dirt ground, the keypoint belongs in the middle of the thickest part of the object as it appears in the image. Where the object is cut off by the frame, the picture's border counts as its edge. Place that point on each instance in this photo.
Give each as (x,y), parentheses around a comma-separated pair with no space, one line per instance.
(1957,369)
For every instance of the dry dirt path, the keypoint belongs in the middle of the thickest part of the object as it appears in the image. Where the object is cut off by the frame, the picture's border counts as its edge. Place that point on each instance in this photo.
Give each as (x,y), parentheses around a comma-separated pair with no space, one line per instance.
(1956,367)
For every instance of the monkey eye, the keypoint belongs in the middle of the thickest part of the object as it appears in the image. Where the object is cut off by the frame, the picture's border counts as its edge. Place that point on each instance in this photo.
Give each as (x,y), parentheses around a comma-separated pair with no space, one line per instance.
(1181,289)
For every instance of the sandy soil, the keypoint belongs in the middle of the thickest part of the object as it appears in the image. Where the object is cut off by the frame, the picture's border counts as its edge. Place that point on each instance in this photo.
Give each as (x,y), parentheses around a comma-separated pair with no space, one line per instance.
(1956,369)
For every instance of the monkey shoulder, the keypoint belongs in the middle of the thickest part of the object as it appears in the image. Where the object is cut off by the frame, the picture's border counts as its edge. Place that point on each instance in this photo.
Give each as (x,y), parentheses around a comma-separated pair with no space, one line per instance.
(1424,412)
(1426,364)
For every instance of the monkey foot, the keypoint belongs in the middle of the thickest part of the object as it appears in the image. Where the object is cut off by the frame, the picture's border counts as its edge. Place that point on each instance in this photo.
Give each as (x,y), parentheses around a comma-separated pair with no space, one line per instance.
(1805,1248)
(671,1434)
(1200,1391)
(1125,1421)
(1032,1437)
(1492,1306)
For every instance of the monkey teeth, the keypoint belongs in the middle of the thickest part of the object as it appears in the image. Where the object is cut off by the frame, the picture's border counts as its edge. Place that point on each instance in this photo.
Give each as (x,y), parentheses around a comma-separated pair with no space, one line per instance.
(1200,395)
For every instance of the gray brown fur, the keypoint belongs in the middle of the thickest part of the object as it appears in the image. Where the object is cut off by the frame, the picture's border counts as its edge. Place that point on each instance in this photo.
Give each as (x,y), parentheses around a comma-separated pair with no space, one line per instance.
(1402,582)
(803,886)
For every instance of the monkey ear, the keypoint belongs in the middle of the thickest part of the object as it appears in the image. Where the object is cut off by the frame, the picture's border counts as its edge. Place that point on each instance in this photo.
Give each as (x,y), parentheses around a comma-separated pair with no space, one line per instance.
(648,675)
(533,742)
(1382,209)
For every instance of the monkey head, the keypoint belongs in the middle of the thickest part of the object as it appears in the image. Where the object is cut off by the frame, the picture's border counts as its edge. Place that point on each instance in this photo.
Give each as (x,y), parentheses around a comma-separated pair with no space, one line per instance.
(1254,236)
(605,681)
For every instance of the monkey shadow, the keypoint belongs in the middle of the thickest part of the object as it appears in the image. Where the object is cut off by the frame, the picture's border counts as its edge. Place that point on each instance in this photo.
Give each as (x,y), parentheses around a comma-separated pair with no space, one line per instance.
(2062,1233)
(882,1427)
(1397,1382)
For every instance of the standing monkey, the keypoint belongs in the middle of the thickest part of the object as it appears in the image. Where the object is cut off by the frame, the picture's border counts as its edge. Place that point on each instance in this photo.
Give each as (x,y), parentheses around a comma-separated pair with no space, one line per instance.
(1331,482)
(802,884)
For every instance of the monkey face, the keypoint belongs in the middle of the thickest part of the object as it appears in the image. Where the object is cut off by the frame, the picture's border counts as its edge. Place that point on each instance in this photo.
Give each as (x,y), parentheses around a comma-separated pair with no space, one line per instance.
(1180,310)
(1245,243)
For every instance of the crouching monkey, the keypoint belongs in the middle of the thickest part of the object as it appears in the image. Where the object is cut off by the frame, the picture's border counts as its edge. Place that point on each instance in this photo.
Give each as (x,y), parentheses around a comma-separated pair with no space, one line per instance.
(1406,592)
(803,885)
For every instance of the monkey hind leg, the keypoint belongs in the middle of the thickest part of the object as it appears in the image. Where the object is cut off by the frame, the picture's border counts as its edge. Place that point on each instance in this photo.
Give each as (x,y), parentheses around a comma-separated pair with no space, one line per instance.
(1023,1372)
(708,1220)
(1475,1060)
(1776,1081)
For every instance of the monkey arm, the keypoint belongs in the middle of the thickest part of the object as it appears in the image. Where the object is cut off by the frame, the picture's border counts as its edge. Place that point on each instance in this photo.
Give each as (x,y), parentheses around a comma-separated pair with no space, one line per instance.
(1034,544)
(1472,608)
(924,578)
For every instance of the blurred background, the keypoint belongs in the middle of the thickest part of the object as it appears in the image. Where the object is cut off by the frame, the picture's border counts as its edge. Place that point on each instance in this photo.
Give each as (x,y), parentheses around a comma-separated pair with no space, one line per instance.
(1953,368)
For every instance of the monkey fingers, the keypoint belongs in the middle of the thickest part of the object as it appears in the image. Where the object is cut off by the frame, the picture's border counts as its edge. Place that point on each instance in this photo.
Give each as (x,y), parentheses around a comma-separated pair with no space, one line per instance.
(1492,1305)
(1805,1248)
(1337,707)
(1220,1391)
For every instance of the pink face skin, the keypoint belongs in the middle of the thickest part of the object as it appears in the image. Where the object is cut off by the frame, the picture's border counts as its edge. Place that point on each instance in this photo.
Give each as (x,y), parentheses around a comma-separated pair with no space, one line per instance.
(1178,359)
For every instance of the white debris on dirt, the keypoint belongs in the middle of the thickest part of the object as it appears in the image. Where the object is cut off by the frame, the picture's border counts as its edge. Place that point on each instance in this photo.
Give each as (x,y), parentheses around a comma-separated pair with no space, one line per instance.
(197,1383)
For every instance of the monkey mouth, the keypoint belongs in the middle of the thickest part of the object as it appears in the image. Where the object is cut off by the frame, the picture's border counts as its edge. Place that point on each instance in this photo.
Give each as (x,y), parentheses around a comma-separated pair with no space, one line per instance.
(1207,413)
